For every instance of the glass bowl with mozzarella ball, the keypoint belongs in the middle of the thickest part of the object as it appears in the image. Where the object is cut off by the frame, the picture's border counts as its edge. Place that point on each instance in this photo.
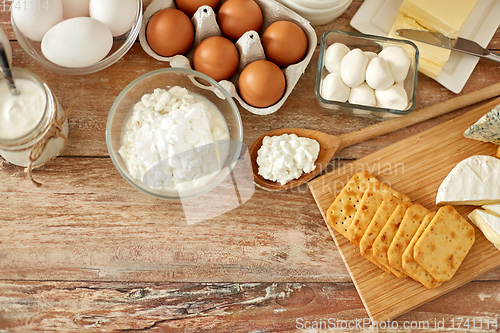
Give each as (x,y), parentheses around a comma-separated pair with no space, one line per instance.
(366,75)
(146,144)
(90,38)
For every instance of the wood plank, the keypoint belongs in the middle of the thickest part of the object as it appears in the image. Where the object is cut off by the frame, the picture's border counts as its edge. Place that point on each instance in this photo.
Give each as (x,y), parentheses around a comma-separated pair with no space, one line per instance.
(87,223)
(414,166)
(232,307)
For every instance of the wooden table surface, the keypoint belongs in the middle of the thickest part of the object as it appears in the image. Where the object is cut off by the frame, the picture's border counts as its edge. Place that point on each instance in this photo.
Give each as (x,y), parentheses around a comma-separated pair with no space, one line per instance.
(88,252)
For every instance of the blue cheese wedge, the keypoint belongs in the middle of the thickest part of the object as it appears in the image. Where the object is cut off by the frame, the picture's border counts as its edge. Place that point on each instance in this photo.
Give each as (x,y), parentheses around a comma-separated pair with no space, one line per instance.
(487,128)
(473,181)
(489,224)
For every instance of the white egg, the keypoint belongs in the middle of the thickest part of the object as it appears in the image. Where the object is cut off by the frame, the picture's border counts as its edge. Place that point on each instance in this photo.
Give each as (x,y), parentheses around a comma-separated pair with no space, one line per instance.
(34,23)
(118,15)
(6,44)
(77,42)
(75,8)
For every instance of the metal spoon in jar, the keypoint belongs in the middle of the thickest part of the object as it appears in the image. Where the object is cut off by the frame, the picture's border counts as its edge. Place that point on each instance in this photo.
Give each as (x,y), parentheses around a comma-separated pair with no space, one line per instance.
(7,73)
(330,145)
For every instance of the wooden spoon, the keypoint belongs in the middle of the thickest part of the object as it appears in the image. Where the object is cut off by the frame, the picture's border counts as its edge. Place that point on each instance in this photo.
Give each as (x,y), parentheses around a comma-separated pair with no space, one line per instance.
(330,145)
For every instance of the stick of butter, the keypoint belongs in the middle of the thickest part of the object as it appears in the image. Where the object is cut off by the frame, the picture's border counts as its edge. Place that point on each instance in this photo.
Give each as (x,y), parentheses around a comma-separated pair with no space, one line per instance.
(444,16)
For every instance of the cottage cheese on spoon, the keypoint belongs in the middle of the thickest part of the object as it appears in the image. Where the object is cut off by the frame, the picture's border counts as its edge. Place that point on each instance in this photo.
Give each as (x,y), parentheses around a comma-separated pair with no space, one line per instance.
(285,157)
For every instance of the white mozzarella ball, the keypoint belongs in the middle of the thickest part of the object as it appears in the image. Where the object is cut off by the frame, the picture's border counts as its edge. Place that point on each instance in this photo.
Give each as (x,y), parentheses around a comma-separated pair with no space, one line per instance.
(118,15)
(378,74)
(6,44)
(370,55)
(77,42)
(35,23)
(333,56)
(394,97)
(363,95)
(398,60)
(334,89)
(75,8)
(353,67)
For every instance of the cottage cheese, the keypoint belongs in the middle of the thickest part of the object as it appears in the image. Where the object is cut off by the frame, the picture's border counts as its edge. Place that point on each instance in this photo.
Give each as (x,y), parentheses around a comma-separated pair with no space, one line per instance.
(285,157)
(170,141)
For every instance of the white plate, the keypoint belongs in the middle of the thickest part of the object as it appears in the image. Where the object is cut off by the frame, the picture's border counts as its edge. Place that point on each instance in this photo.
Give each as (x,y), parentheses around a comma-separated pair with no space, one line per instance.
(376,17)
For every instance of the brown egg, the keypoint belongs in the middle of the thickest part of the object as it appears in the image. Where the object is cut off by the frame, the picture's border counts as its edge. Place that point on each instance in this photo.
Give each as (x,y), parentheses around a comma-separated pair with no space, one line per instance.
(216,57)
(170,32)
(261,83)
(236,17)
(285,43)
(191,6)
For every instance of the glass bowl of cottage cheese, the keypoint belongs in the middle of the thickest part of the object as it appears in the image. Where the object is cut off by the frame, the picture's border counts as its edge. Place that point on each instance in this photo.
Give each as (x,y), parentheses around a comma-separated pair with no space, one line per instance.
(174,133)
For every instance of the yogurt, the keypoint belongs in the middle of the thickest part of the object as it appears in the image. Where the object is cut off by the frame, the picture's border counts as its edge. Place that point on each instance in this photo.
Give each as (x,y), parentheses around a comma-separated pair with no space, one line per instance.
(19,115)
(27,121)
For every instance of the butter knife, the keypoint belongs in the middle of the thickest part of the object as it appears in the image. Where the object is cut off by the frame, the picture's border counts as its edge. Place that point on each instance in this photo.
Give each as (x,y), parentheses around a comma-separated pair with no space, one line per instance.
(459,44)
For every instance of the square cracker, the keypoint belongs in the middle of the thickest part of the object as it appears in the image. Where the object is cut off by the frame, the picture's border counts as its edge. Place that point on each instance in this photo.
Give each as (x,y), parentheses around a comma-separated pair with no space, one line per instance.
(341,212)
(371,200)
(410,266)
(412,219)
(384,212)
(444,244)
(369,256)
(386,235)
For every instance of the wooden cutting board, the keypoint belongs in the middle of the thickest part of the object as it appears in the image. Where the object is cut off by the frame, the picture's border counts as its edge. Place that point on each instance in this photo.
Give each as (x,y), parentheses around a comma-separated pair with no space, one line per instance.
(415,166)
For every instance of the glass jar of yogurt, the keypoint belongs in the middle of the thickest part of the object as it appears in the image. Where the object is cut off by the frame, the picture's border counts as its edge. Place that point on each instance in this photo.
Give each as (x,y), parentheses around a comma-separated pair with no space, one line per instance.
(33,125)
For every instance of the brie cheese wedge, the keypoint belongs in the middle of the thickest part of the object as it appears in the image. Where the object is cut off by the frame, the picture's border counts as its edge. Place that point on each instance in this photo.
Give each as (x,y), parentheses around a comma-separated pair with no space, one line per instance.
(474,181)
(489,224)
(492,209)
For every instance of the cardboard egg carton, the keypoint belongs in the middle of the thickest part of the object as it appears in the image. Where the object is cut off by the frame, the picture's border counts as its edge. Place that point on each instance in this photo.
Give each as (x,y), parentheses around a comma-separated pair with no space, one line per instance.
(249,45)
